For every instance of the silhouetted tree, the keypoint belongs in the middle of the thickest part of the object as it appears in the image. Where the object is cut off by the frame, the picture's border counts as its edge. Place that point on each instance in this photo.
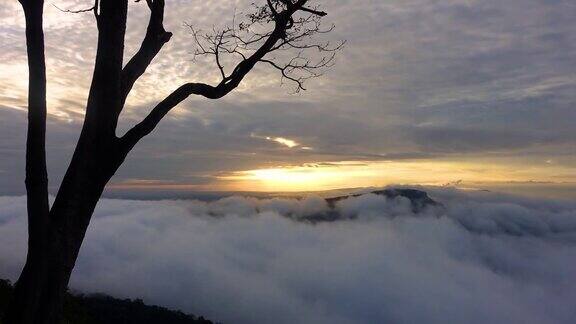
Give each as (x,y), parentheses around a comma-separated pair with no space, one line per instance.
(271,30)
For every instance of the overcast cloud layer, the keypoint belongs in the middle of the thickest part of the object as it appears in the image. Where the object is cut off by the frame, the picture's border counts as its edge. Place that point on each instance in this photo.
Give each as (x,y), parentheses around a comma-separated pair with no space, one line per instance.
(487,259)
(419,79)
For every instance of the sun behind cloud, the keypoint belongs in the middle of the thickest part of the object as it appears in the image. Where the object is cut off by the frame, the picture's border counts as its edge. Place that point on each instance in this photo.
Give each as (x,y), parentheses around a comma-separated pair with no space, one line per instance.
(349,174)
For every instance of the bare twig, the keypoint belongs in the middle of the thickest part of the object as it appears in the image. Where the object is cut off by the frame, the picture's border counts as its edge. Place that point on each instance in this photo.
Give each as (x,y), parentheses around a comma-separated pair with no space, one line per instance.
(75,11)
(298,35)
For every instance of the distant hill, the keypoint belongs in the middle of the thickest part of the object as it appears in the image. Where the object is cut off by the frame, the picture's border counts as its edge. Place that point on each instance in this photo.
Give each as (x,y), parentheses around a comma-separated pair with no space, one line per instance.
(419,199)
(102,309)
(420,202)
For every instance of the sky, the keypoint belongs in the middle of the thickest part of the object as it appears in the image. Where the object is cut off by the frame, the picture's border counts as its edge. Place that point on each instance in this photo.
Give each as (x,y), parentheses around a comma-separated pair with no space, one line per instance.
(473,93)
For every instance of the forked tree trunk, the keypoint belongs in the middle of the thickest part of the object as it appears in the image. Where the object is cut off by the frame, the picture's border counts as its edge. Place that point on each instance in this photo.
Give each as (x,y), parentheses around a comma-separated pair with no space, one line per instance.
(40,289)
(42,285)
(56,234)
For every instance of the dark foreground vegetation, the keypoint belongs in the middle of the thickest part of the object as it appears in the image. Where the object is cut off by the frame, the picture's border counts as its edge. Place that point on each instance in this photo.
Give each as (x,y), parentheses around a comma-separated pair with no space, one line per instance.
(101,309)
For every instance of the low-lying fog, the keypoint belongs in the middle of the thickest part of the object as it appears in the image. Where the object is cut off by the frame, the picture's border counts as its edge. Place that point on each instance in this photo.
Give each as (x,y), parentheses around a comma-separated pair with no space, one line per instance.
(481,258)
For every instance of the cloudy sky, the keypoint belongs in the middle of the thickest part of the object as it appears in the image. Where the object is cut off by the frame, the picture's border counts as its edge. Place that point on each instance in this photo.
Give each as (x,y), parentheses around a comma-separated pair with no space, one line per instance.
(425,91)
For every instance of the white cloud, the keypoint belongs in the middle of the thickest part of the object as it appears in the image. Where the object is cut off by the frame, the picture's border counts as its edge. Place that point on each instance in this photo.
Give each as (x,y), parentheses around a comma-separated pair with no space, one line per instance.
(489,259)
(284,141)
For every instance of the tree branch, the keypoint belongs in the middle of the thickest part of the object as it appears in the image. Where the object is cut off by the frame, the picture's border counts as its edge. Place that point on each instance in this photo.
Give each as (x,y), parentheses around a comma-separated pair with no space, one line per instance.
(288,31)
(224,87)
(75,11)
(313,11)
(147,125)
(104,100)
(228,84)
(153,42)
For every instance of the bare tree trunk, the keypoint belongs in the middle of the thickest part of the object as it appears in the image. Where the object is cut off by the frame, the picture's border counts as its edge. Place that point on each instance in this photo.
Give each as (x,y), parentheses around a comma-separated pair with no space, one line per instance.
(56,234)
(27,294)
(41,288)
(42,285)
(39,301)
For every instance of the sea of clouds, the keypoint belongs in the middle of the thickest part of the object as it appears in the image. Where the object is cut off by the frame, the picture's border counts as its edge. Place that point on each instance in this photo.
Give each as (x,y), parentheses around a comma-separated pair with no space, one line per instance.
(482,258)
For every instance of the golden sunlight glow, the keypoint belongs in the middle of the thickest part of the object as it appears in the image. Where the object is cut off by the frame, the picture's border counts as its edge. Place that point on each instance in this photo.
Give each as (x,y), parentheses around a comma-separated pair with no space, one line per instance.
(346,174)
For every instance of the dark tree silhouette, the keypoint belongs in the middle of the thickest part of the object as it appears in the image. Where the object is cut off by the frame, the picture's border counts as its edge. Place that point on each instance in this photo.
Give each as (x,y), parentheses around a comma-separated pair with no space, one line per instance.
(278,33)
